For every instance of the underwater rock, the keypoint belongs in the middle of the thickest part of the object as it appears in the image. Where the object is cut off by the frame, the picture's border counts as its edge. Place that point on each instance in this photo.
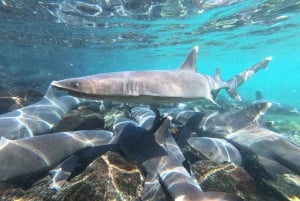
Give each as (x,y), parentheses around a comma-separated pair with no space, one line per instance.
(287,186)
(109,177)
(226,177)
(7,104)
(17,98)
(287,126)
(278,186)
(85,117)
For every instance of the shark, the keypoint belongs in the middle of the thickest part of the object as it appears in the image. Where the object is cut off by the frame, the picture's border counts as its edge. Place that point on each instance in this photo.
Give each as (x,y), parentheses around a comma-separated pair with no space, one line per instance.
(156,86)
(277,108)
(38,118)
(215,149)
(167,177)
(144,116)
(246,130)
(27,157)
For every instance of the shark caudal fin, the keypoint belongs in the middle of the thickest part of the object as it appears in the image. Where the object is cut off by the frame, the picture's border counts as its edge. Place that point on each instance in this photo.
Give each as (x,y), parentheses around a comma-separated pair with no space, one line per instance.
(218,84)
(242,77)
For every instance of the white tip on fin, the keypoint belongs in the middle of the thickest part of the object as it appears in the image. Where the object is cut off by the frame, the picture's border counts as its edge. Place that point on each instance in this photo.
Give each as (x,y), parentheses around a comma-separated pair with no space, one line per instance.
(269,58)
(190,62)
(196,48)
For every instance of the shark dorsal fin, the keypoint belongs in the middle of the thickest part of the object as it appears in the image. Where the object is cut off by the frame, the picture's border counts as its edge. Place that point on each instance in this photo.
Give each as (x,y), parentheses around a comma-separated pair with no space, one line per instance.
(217,75)
(162,132)
(190,62)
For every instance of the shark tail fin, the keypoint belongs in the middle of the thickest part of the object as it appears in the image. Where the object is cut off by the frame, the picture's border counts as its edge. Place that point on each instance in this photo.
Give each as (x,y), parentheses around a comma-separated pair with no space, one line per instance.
(217,77)
(262,64)
(219,83)
(242,77)
(232,89)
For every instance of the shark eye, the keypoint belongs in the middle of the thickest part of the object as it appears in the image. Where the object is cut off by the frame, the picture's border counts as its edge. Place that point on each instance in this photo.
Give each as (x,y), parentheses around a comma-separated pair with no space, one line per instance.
(75,84)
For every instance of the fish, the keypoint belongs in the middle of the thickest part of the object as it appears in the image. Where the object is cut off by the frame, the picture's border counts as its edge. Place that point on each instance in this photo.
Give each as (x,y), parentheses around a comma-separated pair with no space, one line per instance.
(215,149)
(246,130)
(242,77)
(151,150)
(152,189)
(38,118)
(35,155)
(148,120)
(276,107)
(153,86)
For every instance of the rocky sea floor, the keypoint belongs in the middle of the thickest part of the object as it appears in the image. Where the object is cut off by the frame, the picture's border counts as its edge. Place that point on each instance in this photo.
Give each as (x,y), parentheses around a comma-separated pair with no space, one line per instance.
(112,177)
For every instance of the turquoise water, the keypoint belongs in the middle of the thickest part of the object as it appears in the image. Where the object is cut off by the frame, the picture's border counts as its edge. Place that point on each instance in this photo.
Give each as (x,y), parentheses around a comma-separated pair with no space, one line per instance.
(51,40)
(42,41)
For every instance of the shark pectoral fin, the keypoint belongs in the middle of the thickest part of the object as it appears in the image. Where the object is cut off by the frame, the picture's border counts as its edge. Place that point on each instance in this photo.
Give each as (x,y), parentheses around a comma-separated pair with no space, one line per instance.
(190,62)
(214,102)
(219,196)
(62,172)
(161,133)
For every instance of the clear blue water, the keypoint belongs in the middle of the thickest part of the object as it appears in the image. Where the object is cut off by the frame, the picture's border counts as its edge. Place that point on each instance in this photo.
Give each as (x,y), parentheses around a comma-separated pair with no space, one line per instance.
(42,41)
(51,40)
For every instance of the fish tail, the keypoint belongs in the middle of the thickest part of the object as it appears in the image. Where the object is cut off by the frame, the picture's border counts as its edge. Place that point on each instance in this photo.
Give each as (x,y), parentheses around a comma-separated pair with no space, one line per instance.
(232,89)
(242,77)
(219,84)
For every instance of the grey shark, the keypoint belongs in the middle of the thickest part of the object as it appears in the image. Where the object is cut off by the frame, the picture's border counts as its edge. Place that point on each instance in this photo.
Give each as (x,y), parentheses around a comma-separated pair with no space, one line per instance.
(156,86)
(277,108)
(25,157)
(160,163)
(152,189)
(38,118)
(244,128)
(215,149)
